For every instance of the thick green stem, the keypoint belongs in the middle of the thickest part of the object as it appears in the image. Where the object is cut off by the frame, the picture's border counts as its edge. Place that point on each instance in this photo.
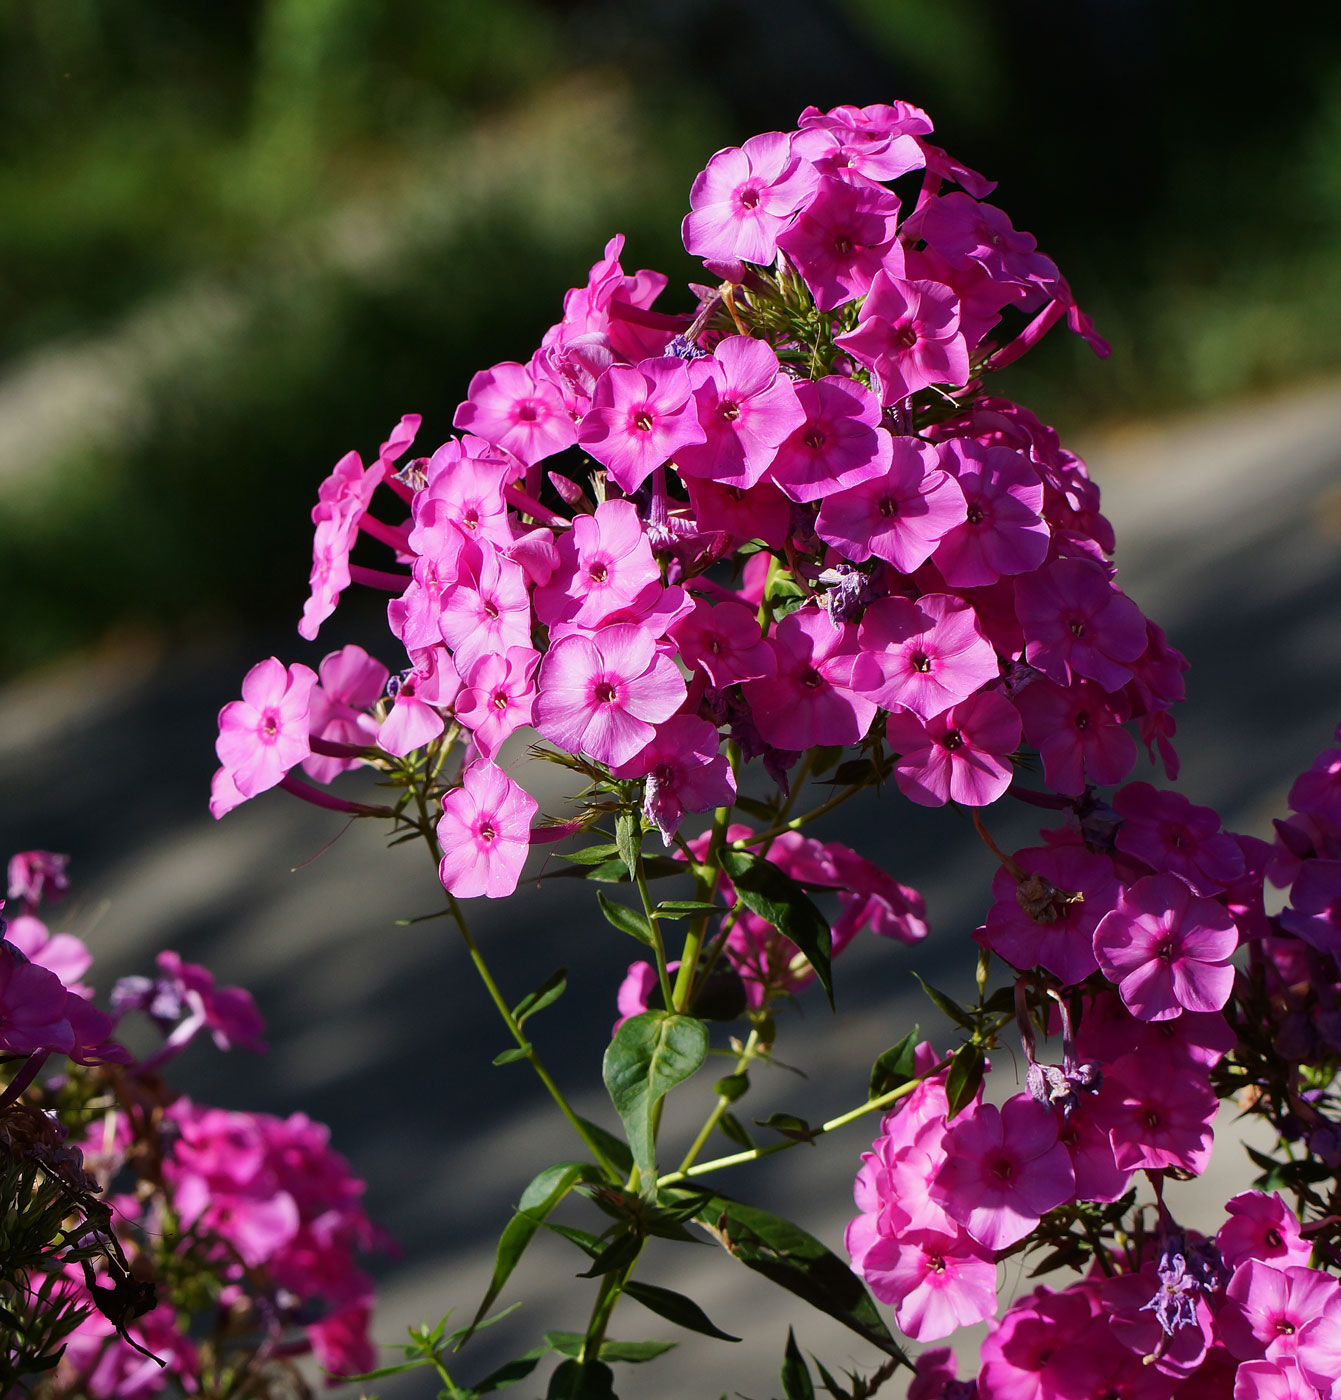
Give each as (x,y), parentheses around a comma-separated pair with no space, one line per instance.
(743,1063)
(658,942)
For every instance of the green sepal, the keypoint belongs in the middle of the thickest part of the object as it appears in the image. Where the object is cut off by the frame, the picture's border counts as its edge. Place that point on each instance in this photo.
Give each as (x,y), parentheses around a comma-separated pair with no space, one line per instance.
(548,992)
(796,1382)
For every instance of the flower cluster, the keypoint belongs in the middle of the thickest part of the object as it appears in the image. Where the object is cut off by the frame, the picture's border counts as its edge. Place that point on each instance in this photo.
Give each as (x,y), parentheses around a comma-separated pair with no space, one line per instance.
(208,1238)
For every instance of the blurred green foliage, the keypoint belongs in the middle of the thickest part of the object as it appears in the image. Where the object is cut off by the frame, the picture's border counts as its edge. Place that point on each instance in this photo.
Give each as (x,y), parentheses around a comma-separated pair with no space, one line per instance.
(237,239)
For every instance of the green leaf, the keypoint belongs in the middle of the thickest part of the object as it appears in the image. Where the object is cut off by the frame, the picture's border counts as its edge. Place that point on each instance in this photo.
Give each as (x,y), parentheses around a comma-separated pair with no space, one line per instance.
(796,1382)
(798,1262)
(615,872)
(629,837)
(896,1066)
(588,1243)
(946,1005)
(961,1084)
(681,908)
(824,757)
(760,811)
(545,1192)
(574,1381)
(676,1308)
(548,992)
(732,1087)
(616,1152)
(855,770)
(650,1054)
(829,1383)
(507,1374)
(622,1250)
(508,1057)
(565,1343)
(626,920)
(731,1127)
(570,1344)
(765,890)
(592,855)
(789,1125)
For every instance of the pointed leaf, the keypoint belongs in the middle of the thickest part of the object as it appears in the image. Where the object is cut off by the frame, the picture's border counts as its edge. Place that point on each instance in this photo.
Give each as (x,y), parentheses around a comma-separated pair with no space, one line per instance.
(830,1384)
(621,1251)
(765,890)
(966,1071)
(650,1054)
(510,1373)
(731,1126)
(616,1152)
(635,1352)
(574,1381)
(789,1125)
(946,1005)
(896,1066)
(508,1057)
(629,837)
(548,992)
(626,920)
(676,1308)
(680,908)
(798,1262)
(796,1382)
(592,855)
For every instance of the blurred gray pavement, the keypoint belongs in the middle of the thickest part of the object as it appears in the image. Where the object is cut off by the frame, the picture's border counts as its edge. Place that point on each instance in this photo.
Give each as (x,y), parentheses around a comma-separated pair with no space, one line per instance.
(1229,535)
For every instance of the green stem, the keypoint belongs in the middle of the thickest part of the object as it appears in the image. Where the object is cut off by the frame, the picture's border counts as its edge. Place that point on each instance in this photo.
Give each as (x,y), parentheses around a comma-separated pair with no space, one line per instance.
(870,1106)
(796,823)
(743,1062)
(612,1287)
(658,942)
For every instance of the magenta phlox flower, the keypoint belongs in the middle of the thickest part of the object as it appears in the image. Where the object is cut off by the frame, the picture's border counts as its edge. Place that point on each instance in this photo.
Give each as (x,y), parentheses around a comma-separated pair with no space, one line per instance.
(341,1342)
(1003,530)
(399,440)
(350,683)
(498,696)
(463,491)
(1167,949)
(809,701)
(1079,735)
(1318,1353)
(1078,623)
(1266,1309)
(1110,1031)
(1314,912)
(636,991)
(724,641)
(1279,1380)
(841,441)
(603,695)
(842,238)
(61,953)
(264,734)
(745,197)
(1097,1364)
(605,563)
(413,719)
(1027,1357)
(923,655)
(536,553)
(1003,1170)
(33,1013)
(1317,792)
(961,755)
(485,833)
(489,609)
(518,410)
(734,516)
(342,502)
(1262,1227)
(35,876)
(900,517)
(107,1365)
(962,229)
(684,772)
(746,408)
(908,333)
(1048,920)
(935,1378)
(641,415)
(1172,836)
(414,616)
(655,610)
(874,143)
(935,1282)
(1133,1323)
(1098,1176)
(1160,1120)
(872,898)
(588,321)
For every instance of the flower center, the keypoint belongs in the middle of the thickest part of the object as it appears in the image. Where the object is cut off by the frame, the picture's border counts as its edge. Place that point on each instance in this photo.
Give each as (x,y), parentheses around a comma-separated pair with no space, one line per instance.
(814,439)
(528,411)
(1003,1169)
(811,677)
(642,421)
(269,726)
(842,245)
(905,337)
(1077,626)
(920,661)
(1082,719)
(729,410)
(749,197)
(500,699)
(974,515)
(953,740)
(1152,1118)
(605,693)
(598,573)
(889,507)
(487,831)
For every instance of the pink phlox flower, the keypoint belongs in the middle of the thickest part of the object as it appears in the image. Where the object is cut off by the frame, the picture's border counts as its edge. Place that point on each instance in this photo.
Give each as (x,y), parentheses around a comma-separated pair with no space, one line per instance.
(264,735)
(342,1343)
(416,697)
(1078,623)
(413,617)
(1003,1170)
(746,406)
(605,563)
(603,695)
(874,143)
(33,1010)
(484,832)
(761,513)
(1262,1227)
(908,332)
(745,197)
(536,553)
(1133,1323)
(61,953)
(725,642)
(981,296)
(587,312)
(463,491)
(1173,837)
(228,1013)
(935,1378)
(35,876)
(1095,1364)
(1160,1120)
(518,410)
(1048,920)
(1317,792)
(923,655)
(489,608)
(1167,949)
(872,898)
(840,443)
(962,229)
(683,771)
(1027,1357)
(654,609)
(107,1365)
(900,517)
(1098,1176)
(1279,1380)
(350,683)
(1110,1031)
(809,701)
(1266,1309)
(641,415)
(224,795)
(935,1282)
(497,697)
(399,439)
(342,502)
(1003,531)
(1079,735)
(1318,1353)
(961,755)
(842,238)
(1314,912)
(636,991)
